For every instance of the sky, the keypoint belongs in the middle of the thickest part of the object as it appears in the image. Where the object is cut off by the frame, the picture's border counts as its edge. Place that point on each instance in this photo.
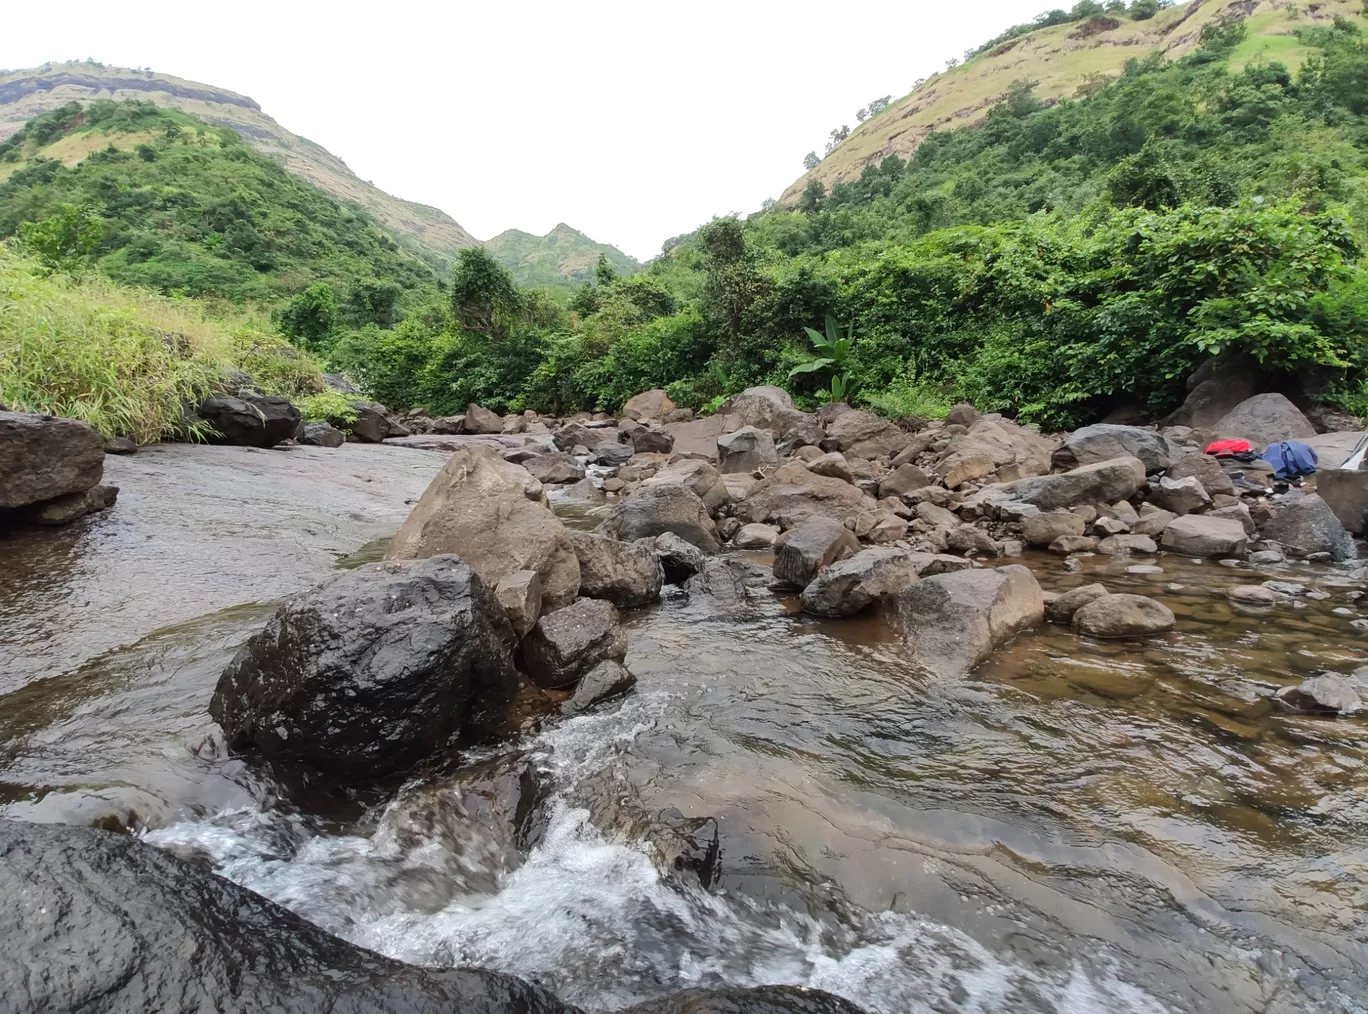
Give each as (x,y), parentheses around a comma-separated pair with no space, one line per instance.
(631,121)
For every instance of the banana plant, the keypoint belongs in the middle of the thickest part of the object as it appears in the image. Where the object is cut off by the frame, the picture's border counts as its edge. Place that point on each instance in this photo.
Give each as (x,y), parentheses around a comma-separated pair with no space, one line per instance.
(832,353)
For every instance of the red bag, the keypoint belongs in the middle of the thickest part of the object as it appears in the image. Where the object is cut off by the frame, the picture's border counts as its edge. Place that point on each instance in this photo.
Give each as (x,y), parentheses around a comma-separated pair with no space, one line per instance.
(1226,448)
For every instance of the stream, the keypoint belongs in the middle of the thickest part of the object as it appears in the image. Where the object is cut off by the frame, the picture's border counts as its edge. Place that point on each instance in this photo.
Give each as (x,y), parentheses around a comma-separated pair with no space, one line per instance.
(1079,826)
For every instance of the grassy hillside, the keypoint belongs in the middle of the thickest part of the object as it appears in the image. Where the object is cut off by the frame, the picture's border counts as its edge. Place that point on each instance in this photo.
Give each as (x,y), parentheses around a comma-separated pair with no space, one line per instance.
(564,256)
(123,359)
(1066,61)
(25,94)
(160,199)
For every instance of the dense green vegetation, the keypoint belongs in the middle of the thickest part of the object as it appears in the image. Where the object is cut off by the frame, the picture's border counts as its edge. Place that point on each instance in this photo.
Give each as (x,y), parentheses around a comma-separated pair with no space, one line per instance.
(126,360)
(162,200)
(1050,262)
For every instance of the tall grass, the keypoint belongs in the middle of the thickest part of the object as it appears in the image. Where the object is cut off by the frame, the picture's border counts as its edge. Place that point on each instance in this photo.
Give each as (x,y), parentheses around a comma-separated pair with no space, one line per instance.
(127,361)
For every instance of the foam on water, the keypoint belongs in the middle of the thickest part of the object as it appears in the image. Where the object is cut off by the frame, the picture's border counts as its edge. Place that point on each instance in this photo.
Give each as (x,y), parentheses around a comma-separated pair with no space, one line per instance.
(590,916)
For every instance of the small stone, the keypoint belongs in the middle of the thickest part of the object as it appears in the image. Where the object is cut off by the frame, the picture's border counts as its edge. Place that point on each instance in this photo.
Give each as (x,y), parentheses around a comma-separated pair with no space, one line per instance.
(1123,545)
(1330,694)
(1123,616)
(607,679)
(756,536)
(1144,568)
(1066,545)
(1062,608)
(520,594)
(1251,595)
(1266,556)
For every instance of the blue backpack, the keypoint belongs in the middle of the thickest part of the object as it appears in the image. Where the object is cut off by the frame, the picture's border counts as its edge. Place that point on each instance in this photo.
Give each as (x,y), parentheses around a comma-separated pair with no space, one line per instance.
(1290,458)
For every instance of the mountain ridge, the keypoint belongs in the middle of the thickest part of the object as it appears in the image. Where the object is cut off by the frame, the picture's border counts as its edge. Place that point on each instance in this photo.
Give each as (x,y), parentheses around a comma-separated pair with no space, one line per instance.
(563,256)
(427,231)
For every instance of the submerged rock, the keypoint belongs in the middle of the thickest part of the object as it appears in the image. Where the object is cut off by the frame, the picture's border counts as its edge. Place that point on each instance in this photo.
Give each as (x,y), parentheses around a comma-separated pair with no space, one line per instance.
(63,510)
(1062,608)
(372,671)
(102,921)
(606,680)
(1123,616)
(952,622)
(1329,694)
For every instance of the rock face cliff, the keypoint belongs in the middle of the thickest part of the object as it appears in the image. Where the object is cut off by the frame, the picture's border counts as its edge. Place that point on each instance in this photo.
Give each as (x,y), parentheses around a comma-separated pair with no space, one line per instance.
(24,94)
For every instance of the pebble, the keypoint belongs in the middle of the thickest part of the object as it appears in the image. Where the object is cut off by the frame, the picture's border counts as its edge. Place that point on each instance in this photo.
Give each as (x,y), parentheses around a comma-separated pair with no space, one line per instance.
(1229,563)
(1144,568)
(1173,586)
(1266,556)
(1343,611)
(1072,565)
(1359,624)
(1318,594)
(1286,587)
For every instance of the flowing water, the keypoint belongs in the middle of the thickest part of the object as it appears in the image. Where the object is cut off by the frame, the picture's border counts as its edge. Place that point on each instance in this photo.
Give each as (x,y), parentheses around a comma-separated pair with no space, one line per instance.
(1079,826)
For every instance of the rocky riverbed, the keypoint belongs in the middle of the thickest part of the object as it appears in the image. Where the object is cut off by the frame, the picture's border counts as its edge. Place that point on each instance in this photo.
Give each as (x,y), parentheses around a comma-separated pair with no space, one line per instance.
(788,794)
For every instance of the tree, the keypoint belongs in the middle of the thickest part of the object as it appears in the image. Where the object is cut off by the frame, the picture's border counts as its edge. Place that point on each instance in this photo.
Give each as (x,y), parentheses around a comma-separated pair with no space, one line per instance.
(812,197)
(732,278)
(67,240)
(811,161)
(1086,9)
(1143,10)
(604,272)
(861,114)
(309,316)
(483,296)
(877,106)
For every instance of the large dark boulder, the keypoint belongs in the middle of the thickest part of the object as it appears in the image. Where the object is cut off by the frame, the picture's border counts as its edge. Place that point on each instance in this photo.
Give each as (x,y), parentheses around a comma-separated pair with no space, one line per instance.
(371,672)
(566,644)
(96,921)
(1306,526)
(1265,419)
(42,457)
(252,420)
(372,423)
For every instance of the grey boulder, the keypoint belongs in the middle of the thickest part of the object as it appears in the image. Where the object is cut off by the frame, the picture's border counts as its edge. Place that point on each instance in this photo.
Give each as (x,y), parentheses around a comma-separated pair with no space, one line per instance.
(627,574)
(1105,441)
(1204,536)
(654,510)
(1307,525)
(850,586)
(806,550)
(98,921)
(1102,482)
(606,680)
(952,622)
(745,450)
(1265,419)
(555,469)
(1061,609)
(321,434)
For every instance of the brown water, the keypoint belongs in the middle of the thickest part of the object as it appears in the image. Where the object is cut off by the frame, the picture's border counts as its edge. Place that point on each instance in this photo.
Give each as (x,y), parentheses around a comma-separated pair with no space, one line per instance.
(1079,826)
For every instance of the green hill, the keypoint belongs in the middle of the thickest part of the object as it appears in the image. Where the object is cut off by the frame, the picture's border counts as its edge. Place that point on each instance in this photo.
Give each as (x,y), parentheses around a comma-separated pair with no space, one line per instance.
(25,94)
(564,256)
(1067,61)
(160,199)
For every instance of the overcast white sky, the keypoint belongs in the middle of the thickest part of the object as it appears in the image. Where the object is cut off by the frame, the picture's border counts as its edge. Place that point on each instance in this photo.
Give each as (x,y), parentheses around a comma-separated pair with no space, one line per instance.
(632,121)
